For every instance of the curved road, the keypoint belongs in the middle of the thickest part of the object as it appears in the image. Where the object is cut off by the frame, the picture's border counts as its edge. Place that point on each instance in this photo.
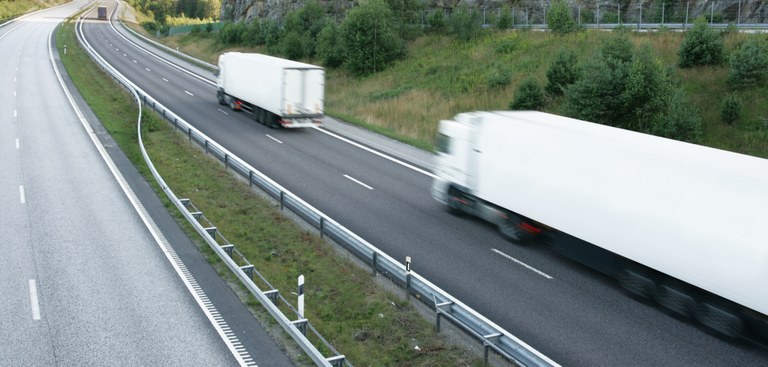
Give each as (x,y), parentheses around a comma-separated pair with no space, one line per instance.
(83,280)
(573,315)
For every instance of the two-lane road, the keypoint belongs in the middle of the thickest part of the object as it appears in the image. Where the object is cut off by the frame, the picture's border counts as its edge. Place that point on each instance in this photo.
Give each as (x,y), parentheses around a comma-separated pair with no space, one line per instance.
(573,315)
(83,280)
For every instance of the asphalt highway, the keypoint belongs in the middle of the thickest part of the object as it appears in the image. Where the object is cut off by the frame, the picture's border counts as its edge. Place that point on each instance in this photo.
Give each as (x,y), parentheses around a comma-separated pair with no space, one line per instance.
(575,316)
(83,279)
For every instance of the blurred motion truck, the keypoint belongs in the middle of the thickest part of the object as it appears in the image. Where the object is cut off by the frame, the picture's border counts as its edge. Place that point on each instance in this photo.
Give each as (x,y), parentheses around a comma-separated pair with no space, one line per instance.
(679,224)
(102,12)
(277,92)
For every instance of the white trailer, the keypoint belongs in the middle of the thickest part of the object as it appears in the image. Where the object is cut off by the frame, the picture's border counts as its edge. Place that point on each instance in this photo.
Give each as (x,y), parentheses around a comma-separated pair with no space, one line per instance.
(277,92)
(682,224)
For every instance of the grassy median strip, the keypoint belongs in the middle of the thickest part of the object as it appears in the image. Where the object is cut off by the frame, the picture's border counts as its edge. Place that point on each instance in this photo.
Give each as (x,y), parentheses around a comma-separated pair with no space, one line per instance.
(372,327)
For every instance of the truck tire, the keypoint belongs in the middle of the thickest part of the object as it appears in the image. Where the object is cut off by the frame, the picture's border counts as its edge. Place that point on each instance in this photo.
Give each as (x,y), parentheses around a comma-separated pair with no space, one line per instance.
(637,283)
(720,320)
(676,299)
(511,230)
(220,96)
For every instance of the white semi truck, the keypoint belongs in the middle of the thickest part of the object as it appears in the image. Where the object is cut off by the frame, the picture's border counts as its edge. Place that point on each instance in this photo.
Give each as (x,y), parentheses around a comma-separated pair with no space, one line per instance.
(277,92)
(681,224)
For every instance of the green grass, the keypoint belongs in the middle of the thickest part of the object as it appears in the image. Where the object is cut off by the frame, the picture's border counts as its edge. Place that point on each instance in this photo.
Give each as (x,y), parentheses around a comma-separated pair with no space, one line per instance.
(370,326)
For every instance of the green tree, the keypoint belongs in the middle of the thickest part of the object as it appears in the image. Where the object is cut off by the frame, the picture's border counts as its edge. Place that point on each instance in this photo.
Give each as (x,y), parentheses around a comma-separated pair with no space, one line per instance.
(749,64)
(702,46)
(562,72)
(436,21)
(731,109)
(406,17)
(679,121)
(329,47)
(371,41)
(304,24)
(646,89)
(505,18)
(529,96)
(464,23)
(559,18)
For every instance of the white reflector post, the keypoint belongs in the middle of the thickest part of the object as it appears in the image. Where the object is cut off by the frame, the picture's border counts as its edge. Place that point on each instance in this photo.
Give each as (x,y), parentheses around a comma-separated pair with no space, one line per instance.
(301,295)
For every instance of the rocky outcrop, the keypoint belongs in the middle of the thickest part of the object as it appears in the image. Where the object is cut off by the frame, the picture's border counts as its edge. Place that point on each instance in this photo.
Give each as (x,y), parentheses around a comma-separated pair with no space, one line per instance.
(750,11)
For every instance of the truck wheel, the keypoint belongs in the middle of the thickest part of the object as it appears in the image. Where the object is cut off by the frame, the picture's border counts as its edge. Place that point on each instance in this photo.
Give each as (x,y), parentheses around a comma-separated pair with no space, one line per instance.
(232,104)
(637,283)
(220,96)
(675,299)
(720,320)
(512,229)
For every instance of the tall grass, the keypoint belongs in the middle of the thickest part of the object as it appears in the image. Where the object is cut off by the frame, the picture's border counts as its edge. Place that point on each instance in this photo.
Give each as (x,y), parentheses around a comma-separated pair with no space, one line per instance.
(13,8)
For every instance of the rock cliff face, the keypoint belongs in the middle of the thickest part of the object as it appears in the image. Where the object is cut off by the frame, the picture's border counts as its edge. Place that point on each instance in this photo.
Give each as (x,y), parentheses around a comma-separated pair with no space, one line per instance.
(753,11)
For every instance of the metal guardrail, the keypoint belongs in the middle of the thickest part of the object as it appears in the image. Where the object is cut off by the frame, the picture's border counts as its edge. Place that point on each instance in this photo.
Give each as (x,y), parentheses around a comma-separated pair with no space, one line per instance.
(491,336)
(297,329)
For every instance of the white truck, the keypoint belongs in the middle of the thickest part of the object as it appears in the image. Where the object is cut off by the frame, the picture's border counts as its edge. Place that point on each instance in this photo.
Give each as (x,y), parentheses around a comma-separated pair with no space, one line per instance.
(680,224)
(277,92)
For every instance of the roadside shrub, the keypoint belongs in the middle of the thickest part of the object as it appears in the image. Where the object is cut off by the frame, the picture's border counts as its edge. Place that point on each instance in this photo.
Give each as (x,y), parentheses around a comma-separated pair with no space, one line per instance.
(499,76)
(294,46)
(702,46)
(464,23)
(329,47)
(270,30)
(253,35)
(370,39)
(436,21)
(749,64)
(505,18)
(562,72)
(529,96)
(559,18)
(150,25)
(731,109)
(305,22)
(680,121)
(232,33)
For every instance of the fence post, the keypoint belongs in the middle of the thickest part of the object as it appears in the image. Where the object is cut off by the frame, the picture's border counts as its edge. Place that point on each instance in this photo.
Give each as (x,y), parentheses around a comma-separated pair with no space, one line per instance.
(738,16)
(663,7)
(597,18)
(685,25)
(711,13)
(640,20)
(618,20)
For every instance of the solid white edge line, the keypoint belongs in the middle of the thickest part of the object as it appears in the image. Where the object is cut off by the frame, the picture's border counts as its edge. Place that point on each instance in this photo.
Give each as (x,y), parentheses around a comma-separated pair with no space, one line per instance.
(273,138)
(382,155)
(22,198)
(34,300)
(358,182)
(148,222)
(531,268)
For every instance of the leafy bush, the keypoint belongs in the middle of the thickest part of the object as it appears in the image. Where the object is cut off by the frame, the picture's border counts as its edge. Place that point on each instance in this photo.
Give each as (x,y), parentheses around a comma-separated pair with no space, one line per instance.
(506,46)
(295,46)
(499,76)
(529,96)
(702,46)
(232,33)
(731,110)
(680,121)
(150,25)
(559,18)
(749,63)
(254,35)
(436,21)
(306,23)
(464,23)
(563,72)
(504,20)
(329,47)
(646,89)
(370,39)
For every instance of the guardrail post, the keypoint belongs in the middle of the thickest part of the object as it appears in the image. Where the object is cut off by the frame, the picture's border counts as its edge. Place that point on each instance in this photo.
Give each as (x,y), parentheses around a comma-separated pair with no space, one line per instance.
(189,133)
(322,227)
(282,194)
(337,361)
(184,202)
(206,147)
(408,278)
(211,231)
(175,123)
(301,324)
(228,249)
(374,263)
(248,270)
(226,161)
(250,178)
(439,311)
(487,345)
(272,295)
(196,215)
